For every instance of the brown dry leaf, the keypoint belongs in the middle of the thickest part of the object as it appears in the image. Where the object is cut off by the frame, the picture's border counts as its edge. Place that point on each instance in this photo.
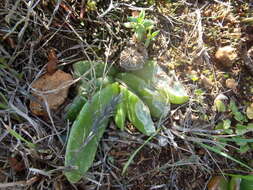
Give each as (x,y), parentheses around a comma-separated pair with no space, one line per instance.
(52,62)
(226,56)
(16,165)
(58,84)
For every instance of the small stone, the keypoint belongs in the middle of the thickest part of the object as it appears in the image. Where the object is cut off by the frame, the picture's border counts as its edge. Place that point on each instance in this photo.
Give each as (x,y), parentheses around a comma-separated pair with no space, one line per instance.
(163,141)
(231,83)
(58,84)
(226,56)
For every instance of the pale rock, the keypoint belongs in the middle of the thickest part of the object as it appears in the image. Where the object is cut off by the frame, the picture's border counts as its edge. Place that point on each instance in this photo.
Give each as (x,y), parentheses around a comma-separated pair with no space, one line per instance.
(226,56)
(58,86)
(231,83)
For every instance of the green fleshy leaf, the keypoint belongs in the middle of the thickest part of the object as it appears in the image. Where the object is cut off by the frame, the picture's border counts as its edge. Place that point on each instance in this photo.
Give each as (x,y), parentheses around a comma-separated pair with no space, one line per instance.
(132,19)
(128,24)
(154,34)
(148,24)
(237,114)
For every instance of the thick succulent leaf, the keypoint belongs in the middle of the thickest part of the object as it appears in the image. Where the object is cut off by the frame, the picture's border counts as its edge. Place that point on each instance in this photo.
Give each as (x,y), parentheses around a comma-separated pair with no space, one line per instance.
(220,103)
(129,25)
(246,184)
(132,19)
(140,33)
(86,132)
(170,87)
(148,72)
(148,24)
(158,105)
(75,107)
(139,114)
(154,34)
(141,16)
(121,109)
(93,69)
(234,183)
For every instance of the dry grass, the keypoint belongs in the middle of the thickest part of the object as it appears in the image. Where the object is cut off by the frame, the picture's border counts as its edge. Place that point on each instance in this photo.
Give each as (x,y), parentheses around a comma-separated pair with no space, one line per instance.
(189,35)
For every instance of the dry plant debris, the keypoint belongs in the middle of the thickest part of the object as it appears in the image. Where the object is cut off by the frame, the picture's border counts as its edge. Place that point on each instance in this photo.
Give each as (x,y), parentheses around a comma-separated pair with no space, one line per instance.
(52,62)
(16,165)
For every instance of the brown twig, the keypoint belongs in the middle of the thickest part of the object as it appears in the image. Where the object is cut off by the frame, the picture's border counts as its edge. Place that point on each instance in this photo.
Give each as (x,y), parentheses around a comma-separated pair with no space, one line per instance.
(52,62)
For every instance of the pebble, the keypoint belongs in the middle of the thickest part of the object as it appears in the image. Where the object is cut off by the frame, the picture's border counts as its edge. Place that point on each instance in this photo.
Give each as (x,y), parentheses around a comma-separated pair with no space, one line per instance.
(58,84)
(226,56)
(231,83)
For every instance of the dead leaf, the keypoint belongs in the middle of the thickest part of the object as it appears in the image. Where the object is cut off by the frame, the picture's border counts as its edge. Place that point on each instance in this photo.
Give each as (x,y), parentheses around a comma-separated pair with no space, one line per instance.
(52,62)
(16,165)
(58,86)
